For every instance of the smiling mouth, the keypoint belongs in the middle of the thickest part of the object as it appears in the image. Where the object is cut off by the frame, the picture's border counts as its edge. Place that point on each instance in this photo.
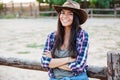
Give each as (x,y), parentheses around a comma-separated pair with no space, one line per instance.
(65,21)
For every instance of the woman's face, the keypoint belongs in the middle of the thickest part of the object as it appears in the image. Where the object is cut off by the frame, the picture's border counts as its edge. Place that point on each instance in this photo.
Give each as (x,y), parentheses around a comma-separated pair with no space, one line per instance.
(66,17)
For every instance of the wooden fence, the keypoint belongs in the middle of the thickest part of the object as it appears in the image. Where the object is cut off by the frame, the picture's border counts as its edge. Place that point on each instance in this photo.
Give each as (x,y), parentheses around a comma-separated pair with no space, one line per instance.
(32,9)
(91,13)
(94,12)
(111,72)
(104,12)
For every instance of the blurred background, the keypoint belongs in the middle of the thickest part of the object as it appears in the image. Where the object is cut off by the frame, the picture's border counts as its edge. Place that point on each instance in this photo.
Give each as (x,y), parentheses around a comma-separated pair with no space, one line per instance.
(37,8)
(25,24)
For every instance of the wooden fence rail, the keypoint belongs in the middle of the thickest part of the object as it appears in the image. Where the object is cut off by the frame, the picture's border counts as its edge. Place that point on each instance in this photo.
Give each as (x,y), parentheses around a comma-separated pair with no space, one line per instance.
(111,72)
(32,9)
(36,13)
(104,12)
(91,13)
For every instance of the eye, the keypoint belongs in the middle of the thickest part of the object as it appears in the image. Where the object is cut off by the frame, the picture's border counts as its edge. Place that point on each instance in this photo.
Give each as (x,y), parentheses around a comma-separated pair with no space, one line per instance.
(62,12)
(70,13)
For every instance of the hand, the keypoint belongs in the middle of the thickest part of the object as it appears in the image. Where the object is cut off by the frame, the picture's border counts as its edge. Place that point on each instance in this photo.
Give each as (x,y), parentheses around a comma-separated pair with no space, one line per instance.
(71,59)
(48,54)
(64,67)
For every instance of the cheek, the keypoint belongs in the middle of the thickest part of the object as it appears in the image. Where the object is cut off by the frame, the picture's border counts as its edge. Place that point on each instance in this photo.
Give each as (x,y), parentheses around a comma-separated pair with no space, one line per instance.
(60,18)
(71,19)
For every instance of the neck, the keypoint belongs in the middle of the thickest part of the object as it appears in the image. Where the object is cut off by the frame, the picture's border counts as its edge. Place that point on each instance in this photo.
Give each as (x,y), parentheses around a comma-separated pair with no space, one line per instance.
(66,38)
(67,31)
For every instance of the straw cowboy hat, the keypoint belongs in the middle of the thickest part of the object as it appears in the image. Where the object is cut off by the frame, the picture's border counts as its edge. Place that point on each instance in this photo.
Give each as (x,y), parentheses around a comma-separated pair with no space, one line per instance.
(75,7)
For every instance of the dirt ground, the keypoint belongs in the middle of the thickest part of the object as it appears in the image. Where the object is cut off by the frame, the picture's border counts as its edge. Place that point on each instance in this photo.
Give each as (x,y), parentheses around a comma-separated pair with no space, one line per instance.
(26,37)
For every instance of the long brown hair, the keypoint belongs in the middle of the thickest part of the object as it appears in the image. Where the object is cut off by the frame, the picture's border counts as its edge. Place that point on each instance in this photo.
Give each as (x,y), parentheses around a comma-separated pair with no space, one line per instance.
(59,39)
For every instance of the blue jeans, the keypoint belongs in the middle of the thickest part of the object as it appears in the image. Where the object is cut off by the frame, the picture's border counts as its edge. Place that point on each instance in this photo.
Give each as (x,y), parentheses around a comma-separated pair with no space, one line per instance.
(81,76)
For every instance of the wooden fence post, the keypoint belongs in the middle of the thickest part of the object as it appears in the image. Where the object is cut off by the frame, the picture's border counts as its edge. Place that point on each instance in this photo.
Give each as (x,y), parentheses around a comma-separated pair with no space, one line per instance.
(13,8)
(21,8)
(113,65)
(115,12)
(91,13)
(5,8)
(31,14)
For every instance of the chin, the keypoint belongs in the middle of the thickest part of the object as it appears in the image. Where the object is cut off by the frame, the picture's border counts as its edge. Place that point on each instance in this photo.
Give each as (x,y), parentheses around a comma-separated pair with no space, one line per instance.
(65,25)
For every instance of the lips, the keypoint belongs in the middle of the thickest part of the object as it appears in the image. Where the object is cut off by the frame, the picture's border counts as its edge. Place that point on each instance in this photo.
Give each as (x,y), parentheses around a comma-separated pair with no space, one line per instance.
(64,21)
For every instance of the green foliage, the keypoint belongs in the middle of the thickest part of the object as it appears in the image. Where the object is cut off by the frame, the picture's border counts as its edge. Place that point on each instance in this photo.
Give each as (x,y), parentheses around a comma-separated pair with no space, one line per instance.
(100,3)
(23,52)
(118,12)
(9,16)
(40,1)
(77,0)
(103,3)
(1,6)
(58,2)
(47,1)
(92,3)
(35,45)
(45,14)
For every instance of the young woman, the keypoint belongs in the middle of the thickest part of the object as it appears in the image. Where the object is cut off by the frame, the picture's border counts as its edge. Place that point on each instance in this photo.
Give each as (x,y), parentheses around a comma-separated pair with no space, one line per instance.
(66,49)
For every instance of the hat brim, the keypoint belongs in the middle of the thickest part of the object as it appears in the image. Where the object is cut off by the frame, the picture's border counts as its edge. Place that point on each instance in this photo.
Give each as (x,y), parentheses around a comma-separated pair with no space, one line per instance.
(80,12)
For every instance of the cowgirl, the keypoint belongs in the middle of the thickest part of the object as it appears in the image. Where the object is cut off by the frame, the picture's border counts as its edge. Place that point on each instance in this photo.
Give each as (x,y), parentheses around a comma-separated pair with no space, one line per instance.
(66,49)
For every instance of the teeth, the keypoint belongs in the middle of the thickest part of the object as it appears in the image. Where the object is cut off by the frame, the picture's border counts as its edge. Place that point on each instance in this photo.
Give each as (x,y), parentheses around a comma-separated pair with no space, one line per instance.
(65,20)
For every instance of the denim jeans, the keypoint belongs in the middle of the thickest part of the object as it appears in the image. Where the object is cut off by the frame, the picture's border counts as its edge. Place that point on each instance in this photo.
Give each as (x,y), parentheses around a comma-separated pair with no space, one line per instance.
(81,76)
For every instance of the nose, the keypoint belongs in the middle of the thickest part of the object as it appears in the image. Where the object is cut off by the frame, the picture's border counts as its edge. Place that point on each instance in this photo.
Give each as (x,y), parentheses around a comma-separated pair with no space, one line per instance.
(65,15)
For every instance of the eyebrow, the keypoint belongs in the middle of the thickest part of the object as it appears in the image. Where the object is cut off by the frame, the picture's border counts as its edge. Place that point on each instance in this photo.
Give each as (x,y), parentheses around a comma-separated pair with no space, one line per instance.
(67,11)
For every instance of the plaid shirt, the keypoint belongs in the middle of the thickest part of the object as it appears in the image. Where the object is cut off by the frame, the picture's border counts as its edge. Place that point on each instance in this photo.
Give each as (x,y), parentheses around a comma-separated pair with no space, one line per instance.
(82,48)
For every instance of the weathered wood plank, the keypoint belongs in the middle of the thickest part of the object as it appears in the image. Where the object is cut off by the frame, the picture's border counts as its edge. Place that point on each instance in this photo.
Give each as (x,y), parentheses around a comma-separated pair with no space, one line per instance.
(97,72)
(20,62)
(113,62)
(13,61)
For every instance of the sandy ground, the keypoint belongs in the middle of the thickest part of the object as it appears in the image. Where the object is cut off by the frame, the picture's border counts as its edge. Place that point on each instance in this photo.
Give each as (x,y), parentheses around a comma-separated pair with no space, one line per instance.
(26,37)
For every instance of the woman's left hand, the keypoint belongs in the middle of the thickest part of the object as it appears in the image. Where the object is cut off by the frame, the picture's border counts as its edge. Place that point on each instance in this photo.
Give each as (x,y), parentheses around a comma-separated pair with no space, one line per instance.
(48,54)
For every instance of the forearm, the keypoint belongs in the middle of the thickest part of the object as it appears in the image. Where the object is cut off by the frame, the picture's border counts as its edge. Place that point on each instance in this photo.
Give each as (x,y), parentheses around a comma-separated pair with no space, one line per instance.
(56,62)
(65,67)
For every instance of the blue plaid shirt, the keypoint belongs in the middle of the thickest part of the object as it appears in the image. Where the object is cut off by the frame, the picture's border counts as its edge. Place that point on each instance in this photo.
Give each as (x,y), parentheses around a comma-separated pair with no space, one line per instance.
(82,48)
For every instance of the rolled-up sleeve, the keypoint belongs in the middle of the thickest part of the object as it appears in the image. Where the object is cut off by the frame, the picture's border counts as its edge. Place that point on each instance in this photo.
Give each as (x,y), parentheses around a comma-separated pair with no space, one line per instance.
(45,61)
(82,49)
(48,47)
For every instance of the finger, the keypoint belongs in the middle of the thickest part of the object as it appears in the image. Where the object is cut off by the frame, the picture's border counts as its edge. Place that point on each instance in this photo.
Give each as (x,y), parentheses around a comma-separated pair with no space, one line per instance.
(48,51)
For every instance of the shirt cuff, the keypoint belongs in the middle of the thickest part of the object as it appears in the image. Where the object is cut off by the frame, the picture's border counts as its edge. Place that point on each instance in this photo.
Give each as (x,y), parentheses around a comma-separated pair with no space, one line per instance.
(45,61)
